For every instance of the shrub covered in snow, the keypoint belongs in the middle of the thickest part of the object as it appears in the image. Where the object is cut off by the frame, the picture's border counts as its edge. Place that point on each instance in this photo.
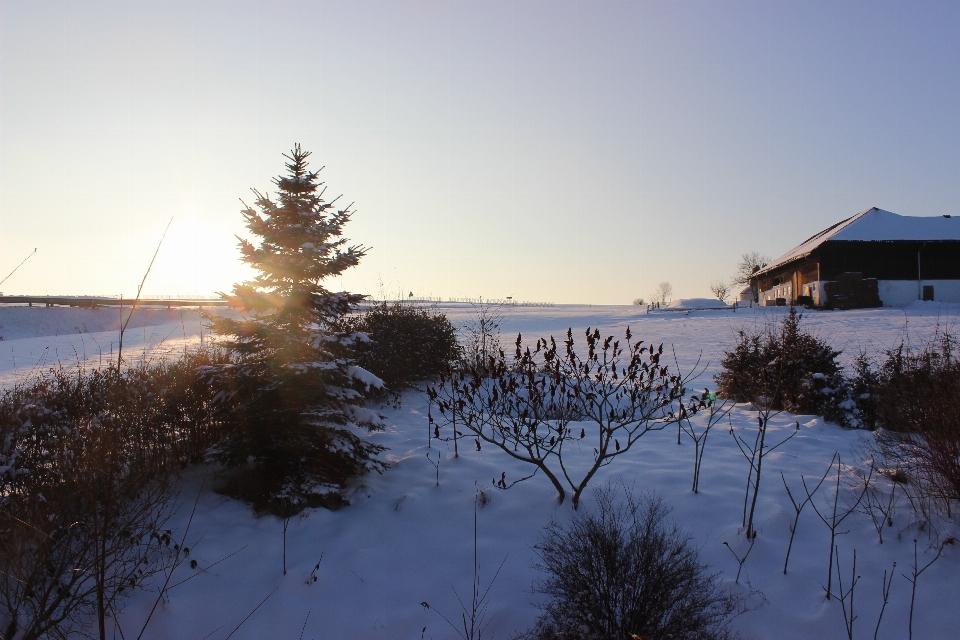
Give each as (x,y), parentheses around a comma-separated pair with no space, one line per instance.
(84,459)
(626,572)
(407,343)
(784,367)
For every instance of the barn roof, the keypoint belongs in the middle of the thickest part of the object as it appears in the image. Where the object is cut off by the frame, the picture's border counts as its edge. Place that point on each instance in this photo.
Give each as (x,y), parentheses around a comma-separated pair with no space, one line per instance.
(875,225)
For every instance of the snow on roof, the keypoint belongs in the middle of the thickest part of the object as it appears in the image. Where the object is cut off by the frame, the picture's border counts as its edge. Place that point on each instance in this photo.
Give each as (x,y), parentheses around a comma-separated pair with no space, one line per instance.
(876,225)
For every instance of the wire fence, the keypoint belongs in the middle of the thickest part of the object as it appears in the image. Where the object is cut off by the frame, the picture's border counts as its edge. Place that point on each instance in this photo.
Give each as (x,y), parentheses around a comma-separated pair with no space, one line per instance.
(505,302)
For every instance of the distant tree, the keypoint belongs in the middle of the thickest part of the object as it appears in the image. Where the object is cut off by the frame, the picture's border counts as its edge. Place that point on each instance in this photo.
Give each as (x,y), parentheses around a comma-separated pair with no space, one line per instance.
(294,391)
(663,293)
(639,301)
(749,264)
(720,289)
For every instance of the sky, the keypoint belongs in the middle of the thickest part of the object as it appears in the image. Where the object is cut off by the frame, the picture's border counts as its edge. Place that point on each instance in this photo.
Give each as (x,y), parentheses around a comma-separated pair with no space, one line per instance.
(567,152)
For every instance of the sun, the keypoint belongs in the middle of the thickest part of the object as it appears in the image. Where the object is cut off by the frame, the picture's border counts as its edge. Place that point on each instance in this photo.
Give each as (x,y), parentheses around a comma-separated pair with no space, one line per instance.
(197,257)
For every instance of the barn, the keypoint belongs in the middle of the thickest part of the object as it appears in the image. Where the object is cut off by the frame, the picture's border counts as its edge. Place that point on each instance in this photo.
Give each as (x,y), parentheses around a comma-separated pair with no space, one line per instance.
(875,258)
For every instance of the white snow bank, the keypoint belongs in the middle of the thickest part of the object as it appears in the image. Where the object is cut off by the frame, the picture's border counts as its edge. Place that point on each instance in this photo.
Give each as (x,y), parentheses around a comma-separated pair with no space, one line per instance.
(34,322)
(698,303)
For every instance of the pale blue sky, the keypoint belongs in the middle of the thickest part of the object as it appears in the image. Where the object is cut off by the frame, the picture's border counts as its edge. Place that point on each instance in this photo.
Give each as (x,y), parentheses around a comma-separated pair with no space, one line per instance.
(557,151)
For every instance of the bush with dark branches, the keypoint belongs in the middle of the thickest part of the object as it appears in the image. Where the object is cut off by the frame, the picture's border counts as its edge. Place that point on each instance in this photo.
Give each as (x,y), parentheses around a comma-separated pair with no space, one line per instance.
(548,406)
(407,343)
(85,463)
(625,572)
(784,367)
(913,401)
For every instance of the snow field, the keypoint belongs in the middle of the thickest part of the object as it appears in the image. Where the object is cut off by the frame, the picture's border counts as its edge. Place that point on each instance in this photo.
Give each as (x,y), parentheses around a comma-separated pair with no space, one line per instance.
(34,339)
(405,540)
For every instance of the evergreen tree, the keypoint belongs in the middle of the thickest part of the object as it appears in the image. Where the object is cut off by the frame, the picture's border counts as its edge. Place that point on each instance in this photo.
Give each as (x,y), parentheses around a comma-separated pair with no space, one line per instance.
(293,392)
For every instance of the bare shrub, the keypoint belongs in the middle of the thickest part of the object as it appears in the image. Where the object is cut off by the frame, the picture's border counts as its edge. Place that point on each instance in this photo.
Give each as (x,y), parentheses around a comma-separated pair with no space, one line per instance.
(913,400)
(84,499)
(73,556)
(626,572)
(537,406)
(481,333)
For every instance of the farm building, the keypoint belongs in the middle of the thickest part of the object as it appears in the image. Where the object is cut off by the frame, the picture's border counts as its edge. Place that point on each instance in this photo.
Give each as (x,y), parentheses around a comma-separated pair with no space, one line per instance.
(876,258)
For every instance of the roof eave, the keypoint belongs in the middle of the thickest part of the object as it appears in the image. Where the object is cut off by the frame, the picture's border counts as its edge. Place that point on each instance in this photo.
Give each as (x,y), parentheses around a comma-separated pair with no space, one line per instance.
(777,267)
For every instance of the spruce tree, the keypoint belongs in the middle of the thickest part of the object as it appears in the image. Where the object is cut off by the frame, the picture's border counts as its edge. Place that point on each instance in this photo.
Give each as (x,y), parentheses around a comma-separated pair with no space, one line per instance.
(293,392)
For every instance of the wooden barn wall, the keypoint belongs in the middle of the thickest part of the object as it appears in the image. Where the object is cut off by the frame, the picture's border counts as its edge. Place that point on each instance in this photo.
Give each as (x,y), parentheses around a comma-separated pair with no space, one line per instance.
(798,274)
(890,260)
(940,260)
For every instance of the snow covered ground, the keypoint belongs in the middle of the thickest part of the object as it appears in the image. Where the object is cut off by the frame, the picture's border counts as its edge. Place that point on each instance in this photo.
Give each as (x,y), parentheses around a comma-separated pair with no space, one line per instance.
(34,339)
(407,539)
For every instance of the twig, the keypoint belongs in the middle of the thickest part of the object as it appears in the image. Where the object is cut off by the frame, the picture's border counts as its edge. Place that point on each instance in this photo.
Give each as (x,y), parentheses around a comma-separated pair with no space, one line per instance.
(116,621)
(304,627)
(845,596)
(875,504)
(436,465)
(740,560)
(251,613)
(18,266)
(472,617)
(798,509)
(885,592)
(914,576)
(176,562)
(286,523)
(313,574)
(757,453)
(835,520)
(207,568)
(707,401)
(137,299)
(212,632)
